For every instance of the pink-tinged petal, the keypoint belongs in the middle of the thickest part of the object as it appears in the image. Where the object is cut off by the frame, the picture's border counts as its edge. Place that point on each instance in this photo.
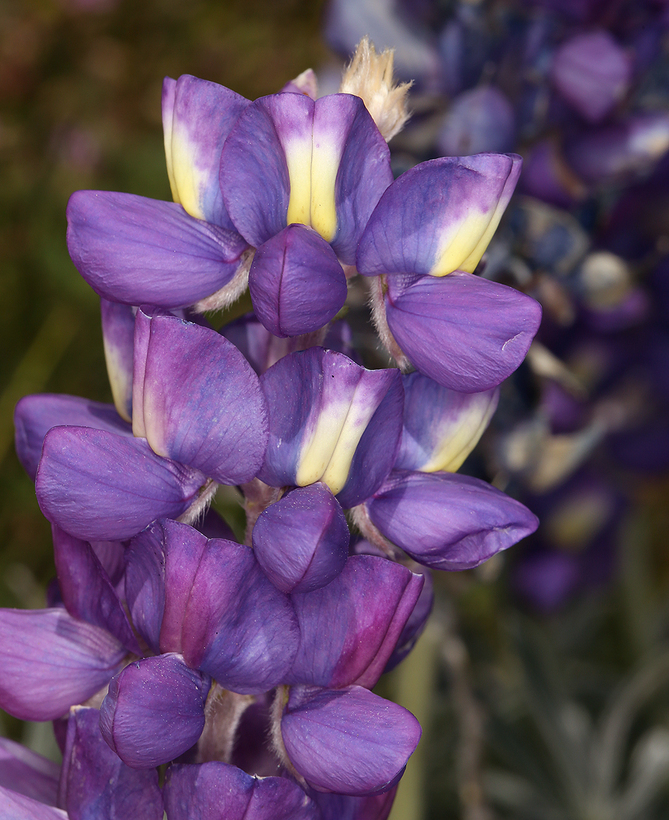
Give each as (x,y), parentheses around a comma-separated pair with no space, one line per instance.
(16,806)
(348,741)
(209,790)
(35,415)
(301,541)
(212,417)
(118,330)
(439,216)
(592,73)
(362,626)
(95,783)
(104,487)
(137,251)
(237,626)
(28,773)
(448,521)
(87,591)
(51,661)
(327,419)
(197,118)
(467,333)
(296,282)
(154,711)
(441,426)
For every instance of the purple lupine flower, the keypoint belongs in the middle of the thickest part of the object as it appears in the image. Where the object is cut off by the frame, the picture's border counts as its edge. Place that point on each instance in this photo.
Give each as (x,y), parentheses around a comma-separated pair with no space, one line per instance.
(192,430)
(425,237)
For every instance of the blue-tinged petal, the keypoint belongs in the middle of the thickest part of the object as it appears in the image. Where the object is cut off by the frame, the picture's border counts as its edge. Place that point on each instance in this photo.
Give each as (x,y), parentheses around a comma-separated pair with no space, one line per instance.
(478,120)
(137,251)
(211,790)
(448,521)
(348,741)
(154,710)
(118,331)
(439,216)
(87,591)
(320,407)
(16,806)
(345,807)
(211,417)
(467,333)
(197,118)
(51,661)
(145,583)
(441,426)
(99,486)
(35,415)
(296,283)
(238,627)
(362,626)
(28,773)
(301,541)
(95,783)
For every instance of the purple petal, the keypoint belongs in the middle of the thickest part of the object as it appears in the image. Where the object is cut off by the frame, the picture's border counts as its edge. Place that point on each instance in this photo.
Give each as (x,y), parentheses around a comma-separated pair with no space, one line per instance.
(296,283)
(87,591)
(137,251)
(344,807)
(103,487)
(448,521)
(439,216)
(441,426)
(212,417)
(301,541)
(327,416)
(36,415)
(154,710)
(16,806)
(467,333)
(237,626)
(145,583)
(28,773)
(349,741)
(197,118)
(118,331)
(96,783)
(362,626)
(479,120)
(220,790)
(592,73)
(51,661)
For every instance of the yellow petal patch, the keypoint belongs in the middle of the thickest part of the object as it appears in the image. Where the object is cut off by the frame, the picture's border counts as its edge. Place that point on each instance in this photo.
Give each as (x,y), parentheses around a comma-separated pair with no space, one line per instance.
(463,244)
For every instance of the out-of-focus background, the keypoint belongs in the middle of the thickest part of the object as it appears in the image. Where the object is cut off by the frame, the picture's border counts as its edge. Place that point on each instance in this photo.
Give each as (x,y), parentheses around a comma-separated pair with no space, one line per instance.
(542,680)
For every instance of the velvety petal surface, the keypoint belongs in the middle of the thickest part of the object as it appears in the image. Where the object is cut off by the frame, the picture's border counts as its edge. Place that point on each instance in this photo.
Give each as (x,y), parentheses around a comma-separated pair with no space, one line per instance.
(95,783)
(217,790)
(296,282)
(35,415)
(345,807)
(348,741)
(301,541)
(197,118)
(441,426)
(17,806)
(211,417)
(237,626)
(145,583)
(100,486)
(87,590)
(51,661)
(467,333)
(118,331)
(448,521)
(154,710)
(439,216)
(362,625)
(137,251)
(27,772)
(321,405)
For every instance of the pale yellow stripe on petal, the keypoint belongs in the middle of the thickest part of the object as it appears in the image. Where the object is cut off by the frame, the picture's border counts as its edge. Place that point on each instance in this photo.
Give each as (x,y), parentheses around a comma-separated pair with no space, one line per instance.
(119,381)
(186,177)
(324,167)
(317,452)
(470,263)
(298,158)
(458,246)
(457,446)
(168,126)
